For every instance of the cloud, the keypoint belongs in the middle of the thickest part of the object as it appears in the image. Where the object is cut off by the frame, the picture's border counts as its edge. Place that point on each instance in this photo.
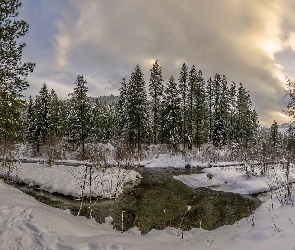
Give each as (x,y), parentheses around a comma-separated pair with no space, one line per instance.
(239,38)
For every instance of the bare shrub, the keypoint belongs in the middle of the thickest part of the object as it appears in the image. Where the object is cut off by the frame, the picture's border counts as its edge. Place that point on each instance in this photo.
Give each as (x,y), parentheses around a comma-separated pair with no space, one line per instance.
(52,149)
(8,159)
(124,152)
(98,154)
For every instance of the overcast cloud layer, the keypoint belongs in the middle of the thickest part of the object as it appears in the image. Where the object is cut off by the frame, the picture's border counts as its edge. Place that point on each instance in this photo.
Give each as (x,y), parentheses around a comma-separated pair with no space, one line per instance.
(249,41)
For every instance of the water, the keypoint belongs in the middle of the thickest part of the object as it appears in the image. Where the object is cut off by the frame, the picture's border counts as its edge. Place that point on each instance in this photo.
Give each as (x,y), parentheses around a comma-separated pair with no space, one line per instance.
(159,201)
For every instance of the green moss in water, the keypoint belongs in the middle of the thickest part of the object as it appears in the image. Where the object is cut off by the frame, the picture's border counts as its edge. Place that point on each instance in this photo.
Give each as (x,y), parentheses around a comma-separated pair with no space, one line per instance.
(157,205)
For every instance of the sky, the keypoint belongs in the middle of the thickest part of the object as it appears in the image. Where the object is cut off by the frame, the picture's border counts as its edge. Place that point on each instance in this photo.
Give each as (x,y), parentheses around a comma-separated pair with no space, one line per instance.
(250,42)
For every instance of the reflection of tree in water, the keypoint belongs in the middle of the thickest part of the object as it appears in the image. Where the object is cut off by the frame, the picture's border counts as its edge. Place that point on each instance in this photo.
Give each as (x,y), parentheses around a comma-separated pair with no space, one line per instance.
(158,205)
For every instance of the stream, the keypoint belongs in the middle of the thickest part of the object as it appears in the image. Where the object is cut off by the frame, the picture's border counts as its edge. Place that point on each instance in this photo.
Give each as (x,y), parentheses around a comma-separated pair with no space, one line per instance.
(158,201)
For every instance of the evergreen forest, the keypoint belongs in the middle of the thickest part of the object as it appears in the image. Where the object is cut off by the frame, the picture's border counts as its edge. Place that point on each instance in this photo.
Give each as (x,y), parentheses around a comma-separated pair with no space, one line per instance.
(183,114)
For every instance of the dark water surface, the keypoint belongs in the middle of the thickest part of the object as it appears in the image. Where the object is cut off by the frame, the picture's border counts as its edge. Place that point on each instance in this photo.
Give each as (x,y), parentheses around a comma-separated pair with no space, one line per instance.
(159,201)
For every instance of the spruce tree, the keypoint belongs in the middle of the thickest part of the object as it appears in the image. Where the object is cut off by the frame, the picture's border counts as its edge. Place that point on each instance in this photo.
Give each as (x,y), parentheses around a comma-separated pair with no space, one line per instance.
(218,135)
(241,110)
(122,106)
(246,122)
(137,109)
(172,114)
(183,87)
(196,109)
(274,134)
(41,114)
(224,108)
(232,112)
(79,117)
(97,123)
(210,107)
(30,122)
(199,111)
(13,71)
(156,89)
(104,122)
(191,103)
(56,115)
(290,94)
(111,121)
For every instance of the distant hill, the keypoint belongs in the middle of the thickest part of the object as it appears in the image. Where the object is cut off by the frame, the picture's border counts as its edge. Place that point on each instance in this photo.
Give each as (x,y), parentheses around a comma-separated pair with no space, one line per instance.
(283,128)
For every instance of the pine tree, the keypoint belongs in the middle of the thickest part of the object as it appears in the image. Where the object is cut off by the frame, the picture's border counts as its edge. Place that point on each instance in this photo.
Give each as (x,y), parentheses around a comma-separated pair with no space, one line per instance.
(156,89)
(218,131)
(290,94)
(137,109)
(210,107)
(198,110)
(122,106)
(64,113)
(104,122)
(232,112)
(191,103)
(224,108)
(172,114)
(218,135)
(274,134)
(41,114)
(97,123)
(183,87)
(241,110)
(111,129)
(246,122)
(79,117)
(55,115)
(30,122)
(13,72)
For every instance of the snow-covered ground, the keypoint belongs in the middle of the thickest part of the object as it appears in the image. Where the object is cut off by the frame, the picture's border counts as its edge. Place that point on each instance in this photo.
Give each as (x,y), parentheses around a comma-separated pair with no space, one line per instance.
(236,177)
(178,161)
(68,180)
(28,224)
(152,156)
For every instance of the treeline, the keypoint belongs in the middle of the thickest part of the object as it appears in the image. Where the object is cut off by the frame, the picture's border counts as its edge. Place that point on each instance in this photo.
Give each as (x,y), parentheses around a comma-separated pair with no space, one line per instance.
(187,113)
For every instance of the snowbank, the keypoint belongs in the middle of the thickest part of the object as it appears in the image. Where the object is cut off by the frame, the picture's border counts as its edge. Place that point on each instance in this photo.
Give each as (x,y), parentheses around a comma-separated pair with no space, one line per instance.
(237,178)
(68,180)
(178,161)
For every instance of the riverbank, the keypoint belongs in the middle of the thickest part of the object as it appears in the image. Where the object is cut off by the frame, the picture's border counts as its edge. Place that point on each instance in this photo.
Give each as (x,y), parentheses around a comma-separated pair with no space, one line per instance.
(154,202)
(74,181)
(28,224)
(240,180)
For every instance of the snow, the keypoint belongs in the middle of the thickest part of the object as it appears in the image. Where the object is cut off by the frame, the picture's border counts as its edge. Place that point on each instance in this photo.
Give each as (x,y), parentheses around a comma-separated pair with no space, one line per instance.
(178,161)
(67,180)
(153,157)
(164,160)
(28,224)
(240,182)
(198,180)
